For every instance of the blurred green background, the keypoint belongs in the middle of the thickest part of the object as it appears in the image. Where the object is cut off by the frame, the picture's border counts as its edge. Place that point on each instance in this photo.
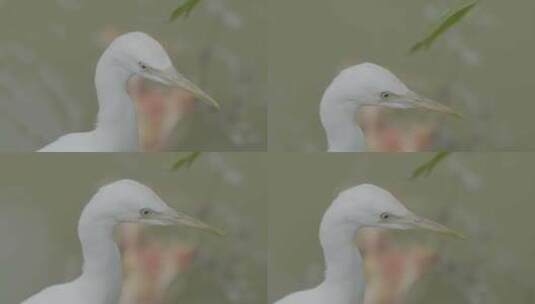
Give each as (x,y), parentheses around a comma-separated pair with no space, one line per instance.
(487,196)
(49,50)
(482,67)
(42,196)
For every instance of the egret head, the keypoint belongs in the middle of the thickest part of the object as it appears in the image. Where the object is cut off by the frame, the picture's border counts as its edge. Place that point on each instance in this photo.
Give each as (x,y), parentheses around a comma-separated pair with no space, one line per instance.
(127,201)
(368,84)
(370,206)
(142,55)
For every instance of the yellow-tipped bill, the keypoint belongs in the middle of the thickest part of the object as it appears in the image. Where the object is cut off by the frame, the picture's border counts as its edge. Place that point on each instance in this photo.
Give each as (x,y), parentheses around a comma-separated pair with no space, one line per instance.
(173,217)
(423,223)
(173,78)
(414,100)
(412,221)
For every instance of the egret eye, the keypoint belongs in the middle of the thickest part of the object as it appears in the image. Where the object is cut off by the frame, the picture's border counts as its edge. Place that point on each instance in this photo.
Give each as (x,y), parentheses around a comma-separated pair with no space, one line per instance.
(143,66)
(386,95)
(385,216)
(145,212)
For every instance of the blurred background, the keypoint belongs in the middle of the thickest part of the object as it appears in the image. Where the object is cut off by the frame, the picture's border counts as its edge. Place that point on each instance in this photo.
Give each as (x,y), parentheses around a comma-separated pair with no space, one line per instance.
(42,198)
(489,197)
(49,50)
(481,67)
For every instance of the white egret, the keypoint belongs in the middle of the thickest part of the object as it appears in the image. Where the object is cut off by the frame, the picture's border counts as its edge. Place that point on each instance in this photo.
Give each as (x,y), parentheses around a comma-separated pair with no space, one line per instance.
(361,206)
(119,202)
(116,126)
(365,84)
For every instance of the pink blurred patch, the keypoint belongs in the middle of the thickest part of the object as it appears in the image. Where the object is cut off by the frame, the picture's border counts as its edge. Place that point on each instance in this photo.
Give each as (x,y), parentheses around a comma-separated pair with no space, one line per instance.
(159,111)
(150,266)
(392,270)
(382,137)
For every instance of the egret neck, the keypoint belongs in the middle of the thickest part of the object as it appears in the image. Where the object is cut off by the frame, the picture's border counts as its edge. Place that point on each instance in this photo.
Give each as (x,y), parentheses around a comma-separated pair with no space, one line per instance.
(342,258)
(102,261)
(339,120)
(116,120)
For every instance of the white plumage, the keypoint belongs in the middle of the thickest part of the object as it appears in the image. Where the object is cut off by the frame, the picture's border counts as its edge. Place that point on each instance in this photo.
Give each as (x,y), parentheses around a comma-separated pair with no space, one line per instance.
(365,84)
(119,202)
(361,206)
(116,127)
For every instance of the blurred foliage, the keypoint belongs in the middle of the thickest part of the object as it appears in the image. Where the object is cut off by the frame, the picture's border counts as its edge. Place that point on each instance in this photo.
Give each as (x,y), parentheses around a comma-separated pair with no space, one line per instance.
(184,9)
(186,161)
(449,19)
(426,168)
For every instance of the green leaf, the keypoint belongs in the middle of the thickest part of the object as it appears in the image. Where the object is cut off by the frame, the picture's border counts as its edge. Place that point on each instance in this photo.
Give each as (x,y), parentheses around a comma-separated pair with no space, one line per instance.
(449,19)
(184,9)
(427,167)
(185,161)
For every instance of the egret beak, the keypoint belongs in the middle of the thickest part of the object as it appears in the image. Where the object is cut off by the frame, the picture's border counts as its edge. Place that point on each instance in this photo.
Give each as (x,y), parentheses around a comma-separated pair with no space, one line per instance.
(415,222)
(171,77)
(413,100)
(172,217)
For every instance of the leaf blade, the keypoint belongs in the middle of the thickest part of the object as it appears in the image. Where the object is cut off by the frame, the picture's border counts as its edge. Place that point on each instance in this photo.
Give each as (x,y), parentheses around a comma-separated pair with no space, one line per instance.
(184,9)
(186,161)
(449,19)
(426,168)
